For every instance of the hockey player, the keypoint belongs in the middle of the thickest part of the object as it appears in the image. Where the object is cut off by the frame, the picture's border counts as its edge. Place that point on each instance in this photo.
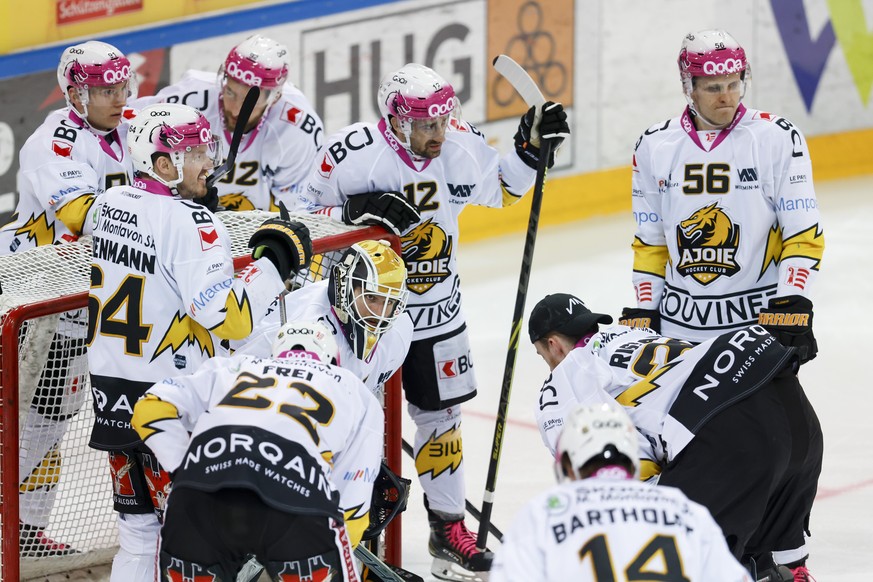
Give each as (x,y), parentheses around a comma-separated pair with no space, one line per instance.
(599,522)
(283,134)
(362,303)
(728,229)
(410,170)
(732,401)
(77,153)
(162,285)
(265,470)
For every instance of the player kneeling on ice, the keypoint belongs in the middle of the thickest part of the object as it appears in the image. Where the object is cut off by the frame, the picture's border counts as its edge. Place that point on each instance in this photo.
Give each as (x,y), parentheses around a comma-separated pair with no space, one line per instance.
(271,463)
(599,520)
(732,401)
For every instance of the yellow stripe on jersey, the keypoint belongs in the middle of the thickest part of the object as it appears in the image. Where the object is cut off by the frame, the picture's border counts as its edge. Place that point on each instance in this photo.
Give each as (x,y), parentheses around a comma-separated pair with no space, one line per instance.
(808,244)
(356,525)
(508,197)
(149,410)
(648,469)
(773,250)
(237,322)
(38,230)
(650,259)
(46,475)
(74,213)
(184,330)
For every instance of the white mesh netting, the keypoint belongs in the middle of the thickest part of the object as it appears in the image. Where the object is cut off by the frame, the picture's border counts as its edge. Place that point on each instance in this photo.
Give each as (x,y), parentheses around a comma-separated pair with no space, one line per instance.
(68,494)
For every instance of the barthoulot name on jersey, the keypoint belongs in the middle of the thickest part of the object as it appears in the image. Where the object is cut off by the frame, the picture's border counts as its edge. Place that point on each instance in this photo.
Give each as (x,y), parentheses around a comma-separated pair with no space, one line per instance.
(610,504)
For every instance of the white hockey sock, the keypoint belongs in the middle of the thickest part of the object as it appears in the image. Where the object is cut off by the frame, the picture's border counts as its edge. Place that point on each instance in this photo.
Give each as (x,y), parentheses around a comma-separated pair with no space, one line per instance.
(139,538)
(439,458)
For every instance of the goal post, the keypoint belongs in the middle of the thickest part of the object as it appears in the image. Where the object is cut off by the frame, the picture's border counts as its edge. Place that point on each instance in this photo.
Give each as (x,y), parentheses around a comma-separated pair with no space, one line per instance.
(40,285)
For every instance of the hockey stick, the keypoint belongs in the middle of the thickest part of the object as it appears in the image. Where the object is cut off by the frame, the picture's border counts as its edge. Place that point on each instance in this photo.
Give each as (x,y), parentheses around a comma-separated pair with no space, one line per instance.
(245,112)
(471,509)
(528,90)
(384,572)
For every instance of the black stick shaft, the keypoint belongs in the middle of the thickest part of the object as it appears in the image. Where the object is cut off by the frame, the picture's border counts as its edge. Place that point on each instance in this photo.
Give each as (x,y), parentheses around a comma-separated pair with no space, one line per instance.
(512,352)
(242,119)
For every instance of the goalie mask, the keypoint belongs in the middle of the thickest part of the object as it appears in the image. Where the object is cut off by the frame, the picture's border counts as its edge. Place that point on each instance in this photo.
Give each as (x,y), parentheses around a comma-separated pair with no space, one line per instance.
(711,53)
(596,433)
(256,62)
(415,94)
(368,293)
(306,340)
(92,65)
(172,129)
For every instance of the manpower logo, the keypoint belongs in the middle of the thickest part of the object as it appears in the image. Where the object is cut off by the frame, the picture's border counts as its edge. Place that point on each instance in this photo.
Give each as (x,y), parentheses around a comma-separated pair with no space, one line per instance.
(808,56)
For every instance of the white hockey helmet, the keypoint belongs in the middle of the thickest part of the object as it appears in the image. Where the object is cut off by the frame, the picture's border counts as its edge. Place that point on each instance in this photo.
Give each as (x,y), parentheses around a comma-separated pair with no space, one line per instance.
(94,64)
(257,62)
(709,53)
(372,271)
(172,129)
(601,432)
(306,340)
(415,92)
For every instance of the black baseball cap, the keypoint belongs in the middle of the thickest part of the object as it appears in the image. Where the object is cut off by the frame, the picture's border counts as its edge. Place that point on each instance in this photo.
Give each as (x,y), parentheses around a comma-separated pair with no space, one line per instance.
(565,314)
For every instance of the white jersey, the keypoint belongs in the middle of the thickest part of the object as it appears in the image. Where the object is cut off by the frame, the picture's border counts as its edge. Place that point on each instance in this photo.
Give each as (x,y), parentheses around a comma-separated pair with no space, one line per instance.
(668,387)
(366,157)
(63,158)
(162,279)
(726,220)
(294,430)
(311,303)
(274,159)
(614,529)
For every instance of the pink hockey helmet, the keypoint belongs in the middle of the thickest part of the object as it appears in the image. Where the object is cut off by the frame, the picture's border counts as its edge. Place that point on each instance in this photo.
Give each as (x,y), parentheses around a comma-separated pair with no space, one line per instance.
(94,64)
(415,92)
(258,62)
(709,53)
(169,128)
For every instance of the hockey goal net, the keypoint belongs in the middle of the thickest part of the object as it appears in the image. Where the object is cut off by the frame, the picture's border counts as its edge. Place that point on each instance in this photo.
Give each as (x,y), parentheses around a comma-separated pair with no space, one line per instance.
(38,287)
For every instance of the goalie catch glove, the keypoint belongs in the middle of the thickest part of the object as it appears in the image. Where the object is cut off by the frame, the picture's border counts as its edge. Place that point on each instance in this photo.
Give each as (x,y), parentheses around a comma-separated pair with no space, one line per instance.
(536,126)
(386,209)
(789,318)
(638,317)
(284,242)
(390,492)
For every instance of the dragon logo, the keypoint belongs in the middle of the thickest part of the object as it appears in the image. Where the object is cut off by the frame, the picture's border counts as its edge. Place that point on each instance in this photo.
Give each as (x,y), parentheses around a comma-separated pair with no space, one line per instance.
(708,241)
(236,201)
(426,250)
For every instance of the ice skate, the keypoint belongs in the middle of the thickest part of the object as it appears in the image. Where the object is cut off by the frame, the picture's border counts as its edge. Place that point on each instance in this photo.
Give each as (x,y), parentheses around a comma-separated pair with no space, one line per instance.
(456,558)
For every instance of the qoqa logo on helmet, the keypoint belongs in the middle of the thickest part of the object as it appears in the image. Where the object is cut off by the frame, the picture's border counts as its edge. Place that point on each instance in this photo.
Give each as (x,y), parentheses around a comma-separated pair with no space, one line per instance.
(246,77)
(205,134)
(439,109)
(724,68)
(113,76)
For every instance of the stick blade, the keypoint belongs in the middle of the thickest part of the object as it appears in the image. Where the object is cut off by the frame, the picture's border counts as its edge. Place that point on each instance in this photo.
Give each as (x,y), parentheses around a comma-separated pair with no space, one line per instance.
(519,79)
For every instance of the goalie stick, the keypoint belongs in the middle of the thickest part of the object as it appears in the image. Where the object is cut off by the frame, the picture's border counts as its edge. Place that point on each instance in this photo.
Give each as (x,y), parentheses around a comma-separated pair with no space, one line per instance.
(524,85)
(382,571)
(245,112)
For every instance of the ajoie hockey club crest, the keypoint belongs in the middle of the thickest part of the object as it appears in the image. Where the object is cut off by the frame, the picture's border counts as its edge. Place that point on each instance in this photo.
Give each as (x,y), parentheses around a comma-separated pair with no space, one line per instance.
(708,242)
(426,251)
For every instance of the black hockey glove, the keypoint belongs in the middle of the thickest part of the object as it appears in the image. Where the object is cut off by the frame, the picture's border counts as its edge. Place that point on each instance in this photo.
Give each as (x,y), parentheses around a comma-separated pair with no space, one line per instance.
(390,492)
(638,317)
(534,127)
(386,209)
(285,242)
(210,200)
(789,318)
